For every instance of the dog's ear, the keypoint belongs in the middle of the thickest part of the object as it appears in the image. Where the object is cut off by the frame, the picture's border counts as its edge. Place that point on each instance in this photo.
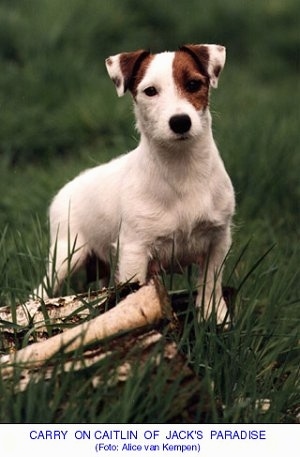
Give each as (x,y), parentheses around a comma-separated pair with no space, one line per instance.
(210,58)
(122,69)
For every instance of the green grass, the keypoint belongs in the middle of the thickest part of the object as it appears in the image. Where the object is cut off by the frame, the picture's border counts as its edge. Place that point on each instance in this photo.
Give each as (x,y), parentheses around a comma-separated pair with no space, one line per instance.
(60,114)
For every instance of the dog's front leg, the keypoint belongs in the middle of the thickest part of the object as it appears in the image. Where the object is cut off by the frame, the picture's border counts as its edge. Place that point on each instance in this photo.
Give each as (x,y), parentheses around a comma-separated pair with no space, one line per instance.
(133,262)
(210,297)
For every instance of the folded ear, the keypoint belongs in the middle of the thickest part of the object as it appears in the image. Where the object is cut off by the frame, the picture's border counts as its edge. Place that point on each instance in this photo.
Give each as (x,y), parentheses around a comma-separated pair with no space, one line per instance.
(210,57)
(122,69)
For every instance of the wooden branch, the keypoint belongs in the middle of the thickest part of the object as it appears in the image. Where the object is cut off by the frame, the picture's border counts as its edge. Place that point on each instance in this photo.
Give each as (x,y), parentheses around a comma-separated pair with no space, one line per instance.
(119,355)
(129,345)
(57,311)
(122,357)
(138,351)
(147,306)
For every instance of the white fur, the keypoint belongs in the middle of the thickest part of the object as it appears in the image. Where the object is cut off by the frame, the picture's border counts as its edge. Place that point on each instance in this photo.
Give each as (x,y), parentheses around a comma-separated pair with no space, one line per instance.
(169,197)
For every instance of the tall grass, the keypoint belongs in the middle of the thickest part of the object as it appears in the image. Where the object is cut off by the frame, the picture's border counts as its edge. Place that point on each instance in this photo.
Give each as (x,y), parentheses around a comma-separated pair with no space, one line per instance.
(253,364)
(59,115)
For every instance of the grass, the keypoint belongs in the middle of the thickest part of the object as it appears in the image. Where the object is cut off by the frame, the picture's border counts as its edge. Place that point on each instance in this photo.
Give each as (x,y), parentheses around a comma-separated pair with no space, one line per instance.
(58,118)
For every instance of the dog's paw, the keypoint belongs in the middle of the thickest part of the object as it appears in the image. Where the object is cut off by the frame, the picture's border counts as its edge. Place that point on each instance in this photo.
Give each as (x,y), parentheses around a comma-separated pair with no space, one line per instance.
(208,307)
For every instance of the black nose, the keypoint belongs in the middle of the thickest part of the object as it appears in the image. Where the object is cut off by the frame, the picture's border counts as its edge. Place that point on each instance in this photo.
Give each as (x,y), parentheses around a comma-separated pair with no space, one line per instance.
(180,123)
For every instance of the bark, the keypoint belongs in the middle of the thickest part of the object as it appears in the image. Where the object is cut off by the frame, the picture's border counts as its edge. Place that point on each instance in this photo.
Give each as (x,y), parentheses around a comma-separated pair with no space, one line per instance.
(148,306)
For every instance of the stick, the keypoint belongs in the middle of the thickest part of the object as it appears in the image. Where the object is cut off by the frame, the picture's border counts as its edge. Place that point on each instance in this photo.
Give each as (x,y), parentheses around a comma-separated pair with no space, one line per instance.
(55,311)
(147,306)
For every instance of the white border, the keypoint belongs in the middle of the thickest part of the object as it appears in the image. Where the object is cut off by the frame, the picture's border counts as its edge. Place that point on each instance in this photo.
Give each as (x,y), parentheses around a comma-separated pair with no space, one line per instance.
(108,440)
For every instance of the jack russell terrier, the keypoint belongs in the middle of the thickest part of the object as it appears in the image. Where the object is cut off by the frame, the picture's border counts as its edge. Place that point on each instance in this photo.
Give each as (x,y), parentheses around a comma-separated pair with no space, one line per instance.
(168,200)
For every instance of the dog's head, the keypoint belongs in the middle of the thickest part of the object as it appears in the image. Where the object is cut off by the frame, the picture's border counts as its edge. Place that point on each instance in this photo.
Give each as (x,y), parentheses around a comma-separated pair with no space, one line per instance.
(170,89)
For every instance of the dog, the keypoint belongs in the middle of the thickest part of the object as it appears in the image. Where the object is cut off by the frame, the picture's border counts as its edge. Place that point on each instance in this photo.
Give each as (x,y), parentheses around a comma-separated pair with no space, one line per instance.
(168,200)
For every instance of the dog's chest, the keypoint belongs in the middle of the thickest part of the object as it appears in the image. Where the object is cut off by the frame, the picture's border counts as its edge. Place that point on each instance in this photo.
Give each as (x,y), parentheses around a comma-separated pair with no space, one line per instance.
(183,246)
(184,229)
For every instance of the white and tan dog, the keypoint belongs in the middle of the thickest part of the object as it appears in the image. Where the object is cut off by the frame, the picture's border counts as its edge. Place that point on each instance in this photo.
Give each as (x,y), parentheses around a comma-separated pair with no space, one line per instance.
(168,200)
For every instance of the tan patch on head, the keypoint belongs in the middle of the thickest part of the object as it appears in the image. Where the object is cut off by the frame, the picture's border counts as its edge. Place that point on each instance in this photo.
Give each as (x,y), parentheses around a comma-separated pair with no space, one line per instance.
(133,67)
(140,74)
(191,83)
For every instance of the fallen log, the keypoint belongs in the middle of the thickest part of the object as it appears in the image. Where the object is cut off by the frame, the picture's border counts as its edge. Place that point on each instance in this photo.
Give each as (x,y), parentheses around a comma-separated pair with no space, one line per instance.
(53,312)
(147,306)
(140,353)
(121,342)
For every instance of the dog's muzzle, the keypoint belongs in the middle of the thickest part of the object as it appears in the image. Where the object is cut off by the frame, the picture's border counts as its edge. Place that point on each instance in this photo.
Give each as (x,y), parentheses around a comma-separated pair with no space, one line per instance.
(180,123)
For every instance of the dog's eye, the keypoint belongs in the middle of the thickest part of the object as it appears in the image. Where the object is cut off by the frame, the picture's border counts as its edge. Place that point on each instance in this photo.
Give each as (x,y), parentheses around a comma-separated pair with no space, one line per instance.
(150,91)
(193,85)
